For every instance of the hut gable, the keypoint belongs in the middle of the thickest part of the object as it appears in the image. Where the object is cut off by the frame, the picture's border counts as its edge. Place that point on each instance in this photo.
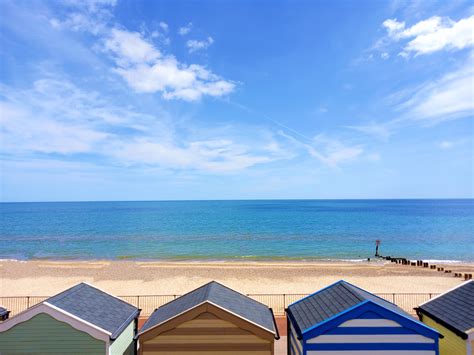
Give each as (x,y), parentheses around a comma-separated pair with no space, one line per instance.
(220,296)
(212,319)
(453,309)
(345,318)
(331,301)
(82,319)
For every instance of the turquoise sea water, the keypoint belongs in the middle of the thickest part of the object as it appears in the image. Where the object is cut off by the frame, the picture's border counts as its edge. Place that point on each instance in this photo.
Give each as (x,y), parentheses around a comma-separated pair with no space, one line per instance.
(266,229)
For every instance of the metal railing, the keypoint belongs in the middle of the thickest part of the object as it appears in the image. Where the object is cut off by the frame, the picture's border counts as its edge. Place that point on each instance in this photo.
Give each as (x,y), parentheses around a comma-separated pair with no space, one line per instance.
(278,302)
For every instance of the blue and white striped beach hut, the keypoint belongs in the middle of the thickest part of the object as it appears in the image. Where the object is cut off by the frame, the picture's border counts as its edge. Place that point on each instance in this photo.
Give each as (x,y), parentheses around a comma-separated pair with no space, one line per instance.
(343,319)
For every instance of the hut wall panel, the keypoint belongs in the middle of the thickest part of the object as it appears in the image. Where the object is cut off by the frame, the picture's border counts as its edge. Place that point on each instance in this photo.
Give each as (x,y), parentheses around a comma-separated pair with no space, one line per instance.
(123,345)
(206,339)
(374,352)
(215,323)
(46,335)
(451,344)
(296,347)
(205,332)
(371,338)
(210,353)
(360,334)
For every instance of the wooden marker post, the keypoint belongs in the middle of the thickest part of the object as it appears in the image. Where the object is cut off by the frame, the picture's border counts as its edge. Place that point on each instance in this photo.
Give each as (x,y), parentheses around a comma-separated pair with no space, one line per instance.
(377,243)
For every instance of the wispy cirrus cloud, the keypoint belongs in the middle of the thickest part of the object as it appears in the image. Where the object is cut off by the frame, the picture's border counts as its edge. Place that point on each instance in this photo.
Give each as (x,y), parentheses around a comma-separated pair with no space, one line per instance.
(449,97)
(379,130)
(432,35)
(56,118)
(333,152)
(89,15)
(329,151)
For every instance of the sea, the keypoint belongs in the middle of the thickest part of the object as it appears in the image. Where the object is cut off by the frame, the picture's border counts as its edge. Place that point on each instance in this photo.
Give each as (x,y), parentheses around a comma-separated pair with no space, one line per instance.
(291,230)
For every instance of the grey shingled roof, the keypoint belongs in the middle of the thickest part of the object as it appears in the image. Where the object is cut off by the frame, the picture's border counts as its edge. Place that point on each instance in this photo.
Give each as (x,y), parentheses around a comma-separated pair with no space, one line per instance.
(330,301)
(219,295)
(97,307)
(455,308)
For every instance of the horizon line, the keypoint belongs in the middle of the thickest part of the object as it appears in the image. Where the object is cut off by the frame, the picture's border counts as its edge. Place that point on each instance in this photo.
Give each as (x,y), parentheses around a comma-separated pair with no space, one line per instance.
(254,199)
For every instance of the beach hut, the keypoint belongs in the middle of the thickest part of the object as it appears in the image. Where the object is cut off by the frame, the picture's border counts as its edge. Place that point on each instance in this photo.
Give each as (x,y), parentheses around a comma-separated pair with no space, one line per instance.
(212,319)
(344,319)
(80,320)
(452,314)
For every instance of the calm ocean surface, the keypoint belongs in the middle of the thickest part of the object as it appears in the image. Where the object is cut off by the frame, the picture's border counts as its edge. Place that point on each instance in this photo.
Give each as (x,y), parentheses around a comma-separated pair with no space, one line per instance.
(286,229)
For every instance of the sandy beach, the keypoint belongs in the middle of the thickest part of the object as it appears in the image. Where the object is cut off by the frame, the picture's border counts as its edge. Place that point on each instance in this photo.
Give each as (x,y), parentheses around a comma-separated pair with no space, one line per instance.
(44,278)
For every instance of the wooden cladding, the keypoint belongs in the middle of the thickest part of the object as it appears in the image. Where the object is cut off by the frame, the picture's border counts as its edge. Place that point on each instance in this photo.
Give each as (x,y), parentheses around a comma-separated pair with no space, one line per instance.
(207,347)
(207,329)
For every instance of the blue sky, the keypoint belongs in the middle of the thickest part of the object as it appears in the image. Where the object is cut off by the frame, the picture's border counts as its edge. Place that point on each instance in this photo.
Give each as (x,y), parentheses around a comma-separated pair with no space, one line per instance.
(152,100)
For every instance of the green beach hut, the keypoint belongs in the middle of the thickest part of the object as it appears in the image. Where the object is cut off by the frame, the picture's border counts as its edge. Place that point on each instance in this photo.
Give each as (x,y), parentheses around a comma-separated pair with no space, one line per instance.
(80,320)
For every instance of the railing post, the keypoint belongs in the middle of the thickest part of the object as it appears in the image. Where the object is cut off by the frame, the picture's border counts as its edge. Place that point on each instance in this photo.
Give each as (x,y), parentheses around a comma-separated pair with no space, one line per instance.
(393,297)
(138,301)
(284,302)
(27,301)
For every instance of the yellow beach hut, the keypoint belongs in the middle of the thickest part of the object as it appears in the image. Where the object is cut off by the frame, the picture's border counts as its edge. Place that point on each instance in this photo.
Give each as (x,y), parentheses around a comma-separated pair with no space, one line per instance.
(452,314)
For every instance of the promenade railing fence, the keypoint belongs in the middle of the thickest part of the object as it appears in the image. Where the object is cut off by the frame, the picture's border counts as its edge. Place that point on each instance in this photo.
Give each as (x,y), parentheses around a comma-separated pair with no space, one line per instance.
(278,302)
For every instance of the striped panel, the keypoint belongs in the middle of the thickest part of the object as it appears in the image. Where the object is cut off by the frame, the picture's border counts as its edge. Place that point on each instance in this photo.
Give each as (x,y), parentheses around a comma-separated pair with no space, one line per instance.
(296,346)
(376,352)
(382,347)
(371,334)
(370,323)
(371,338)
(370,330)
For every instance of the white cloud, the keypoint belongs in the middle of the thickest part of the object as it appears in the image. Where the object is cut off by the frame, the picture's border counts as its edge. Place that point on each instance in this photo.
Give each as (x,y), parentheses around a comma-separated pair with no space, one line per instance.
(379,130)
(432,35)
(130,48)
(210,155)
(195,45)
(452,143)
(384,55)
(139,62)
(446,144)
(56,117)
(146,70)
(164,26)
(393,26)
(185,29)
(452,96)
(329,151)
(333,152)
(87,15)
(323,109)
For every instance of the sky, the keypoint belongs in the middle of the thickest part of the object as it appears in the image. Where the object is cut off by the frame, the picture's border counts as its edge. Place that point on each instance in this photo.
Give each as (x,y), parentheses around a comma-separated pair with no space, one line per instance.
(165,100)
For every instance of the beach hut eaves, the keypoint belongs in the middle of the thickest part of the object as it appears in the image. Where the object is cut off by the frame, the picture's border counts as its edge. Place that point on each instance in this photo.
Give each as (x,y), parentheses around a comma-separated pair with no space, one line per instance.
(220,296)
(96,307)
(344,317)
(454,309)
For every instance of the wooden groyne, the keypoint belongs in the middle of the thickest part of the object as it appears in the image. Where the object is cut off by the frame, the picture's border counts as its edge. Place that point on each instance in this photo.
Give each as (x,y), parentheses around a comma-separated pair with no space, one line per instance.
(426,265)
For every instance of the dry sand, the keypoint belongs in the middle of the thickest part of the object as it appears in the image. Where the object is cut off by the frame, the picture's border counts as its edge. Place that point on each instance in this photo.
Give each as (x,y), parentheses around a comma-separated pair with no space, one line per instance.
(44,278)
